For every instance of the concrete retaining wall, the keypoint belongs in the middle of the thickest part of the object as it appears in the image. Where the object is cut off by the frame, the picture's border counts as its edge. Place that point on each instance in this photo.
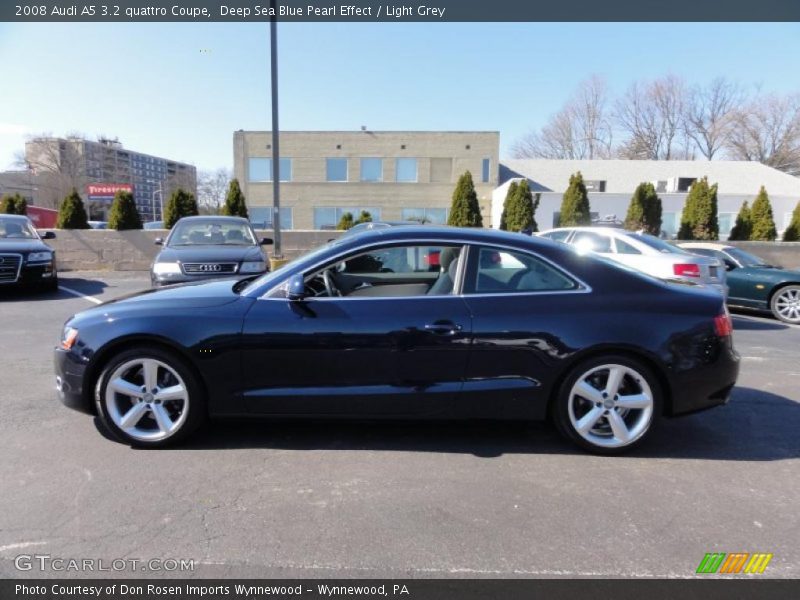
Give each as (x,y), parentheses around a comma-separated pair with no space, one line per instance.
(94,249)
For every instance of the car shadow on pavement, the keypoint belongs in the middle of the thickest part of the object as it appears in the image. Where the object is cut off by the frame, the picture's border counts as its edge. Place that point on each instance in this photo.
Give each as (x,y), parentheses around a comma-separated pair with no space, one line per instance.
(90,287)
(755,426)
(763,324)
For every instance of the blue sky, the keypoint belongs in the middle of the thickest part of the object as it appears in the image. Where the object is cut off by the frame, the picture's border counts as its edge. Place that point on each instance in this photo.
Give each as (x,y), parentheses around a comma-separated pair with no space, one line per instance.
(180,90)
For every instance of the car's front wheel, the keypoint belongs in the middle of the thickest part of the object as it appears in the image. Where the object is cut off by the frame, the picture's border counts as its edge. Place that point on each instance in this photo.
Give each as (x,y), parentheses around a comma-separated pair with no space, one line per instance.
(785,304)
(608,405)
(150,398)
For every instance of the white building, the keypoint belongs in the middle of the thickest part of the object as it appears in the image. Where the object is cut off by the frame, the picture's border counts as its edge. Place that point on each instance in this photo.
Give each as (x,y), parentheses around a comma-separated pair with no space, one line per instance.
(611,183)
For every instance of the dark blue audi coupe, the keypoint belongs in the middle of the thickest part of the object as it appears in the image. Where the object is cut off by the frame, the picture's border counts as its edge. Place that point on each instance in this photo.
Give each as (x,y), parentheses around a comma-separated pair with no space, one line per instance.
(408,322)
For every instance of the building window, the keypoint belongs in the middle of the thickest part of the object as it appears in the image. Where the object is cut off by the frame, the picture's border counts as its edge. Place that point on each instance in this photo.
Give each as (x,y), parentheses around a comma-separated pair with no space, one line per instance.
(486,167)
(260,169)
(371,169)
(335,169)
(434,216)
(685,183)
(726,222)
(406,170)
(441,170)
(595,185)
(670,223)
(261,217)
(328,217)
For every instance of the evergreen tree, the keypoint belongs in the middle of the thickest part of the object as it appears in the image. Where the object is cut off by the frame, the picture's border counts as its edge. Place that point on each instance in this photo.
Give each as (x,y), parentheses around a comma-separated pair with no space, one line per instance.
(235,205)
(575,209)
(521,208)
(364,217)
(699,218)
(180,204)
(465,210)
(72,214)
(744,224)
(13,205)
(792,233)
(124,214)
(510,195)
(346,222)
(645,210)
(762,220)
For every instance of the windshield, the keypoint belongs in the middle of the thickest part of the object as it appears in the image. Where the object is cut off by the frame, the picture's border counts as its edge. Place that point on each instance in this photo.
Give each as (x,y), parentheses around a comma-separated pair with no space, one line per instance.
(16,229)
(211,232)
(308,258)
(745,258)
(657,244)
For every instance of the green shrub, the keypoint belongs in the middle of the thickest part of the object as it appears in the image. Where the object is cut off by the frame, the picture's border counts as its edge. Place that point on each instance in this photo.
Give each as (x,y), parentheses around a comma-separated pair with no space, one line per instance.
(763,222)
(13,205)
(180,204)
(744,224)
(699,218)
(792,233)
(124,214)
(345,222)
(644,211)
(575,209)
(464,209)
(71,213)
(235,205)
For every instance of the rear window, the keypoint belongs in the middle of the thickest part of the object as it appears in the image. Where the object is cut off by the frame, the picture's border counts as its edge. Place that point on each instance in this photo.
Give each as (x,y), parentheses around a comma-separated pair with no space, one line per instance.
(657,244)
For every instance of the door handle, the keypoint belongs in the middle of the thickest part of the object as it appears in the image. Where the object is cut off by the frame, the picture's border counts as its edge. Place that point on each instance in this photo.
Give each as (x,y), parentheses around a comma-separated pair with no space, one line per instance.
(443,328)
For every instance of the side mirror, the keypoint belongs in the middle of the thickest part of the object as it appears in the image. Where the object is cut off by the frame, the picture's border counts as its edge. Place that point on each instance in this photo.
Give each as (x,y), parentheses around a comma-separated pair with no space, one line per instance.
(265,241)
(159,241)
(296,287)
(49,235)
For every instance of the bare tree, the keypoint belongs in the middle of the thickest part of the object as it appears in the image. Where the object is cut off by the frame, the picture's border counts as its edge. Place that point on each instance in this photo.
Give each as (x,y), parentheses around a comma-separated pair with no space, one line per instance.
(57,166)
(211,189)
(581,129)
(652,116)
(767,129)
(710,113)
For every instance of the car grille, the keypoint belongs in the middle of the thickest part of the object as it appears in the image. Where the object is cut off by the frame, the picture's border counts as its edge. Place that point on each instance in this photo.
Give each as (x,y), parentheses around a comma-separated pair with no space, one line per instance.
(9,267)
(209,268)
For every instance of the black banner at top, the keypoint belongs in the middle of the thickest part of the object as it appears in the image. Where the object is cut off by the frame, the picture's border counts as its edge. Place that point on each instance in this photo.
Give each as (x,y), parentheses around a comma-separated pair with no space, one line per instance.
(399,11)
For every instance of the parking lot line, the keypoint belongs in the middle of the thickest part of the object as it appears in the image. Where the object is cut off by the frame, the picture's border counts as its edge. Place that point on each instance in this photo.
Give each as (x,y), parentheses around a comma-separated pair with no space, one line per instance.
(79,294)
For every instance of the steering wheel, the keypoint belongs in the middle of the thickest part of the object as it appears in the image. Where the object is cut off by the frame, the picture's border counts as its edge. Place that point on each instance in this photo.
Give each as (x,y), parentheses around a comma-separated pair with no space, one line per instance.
(329,285)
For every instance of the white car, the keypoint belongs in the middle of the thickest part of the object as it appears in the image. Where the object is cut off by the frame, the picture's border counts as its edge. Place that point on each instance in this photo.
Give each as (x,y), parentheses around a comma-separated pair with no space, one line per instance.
(644,252)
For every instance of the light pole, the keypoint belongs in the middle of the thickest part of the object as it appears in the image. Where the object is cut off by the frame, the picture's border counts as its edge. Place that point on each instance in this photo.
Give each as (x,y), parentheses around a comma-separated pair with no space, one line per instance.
(160,193)
(276,154)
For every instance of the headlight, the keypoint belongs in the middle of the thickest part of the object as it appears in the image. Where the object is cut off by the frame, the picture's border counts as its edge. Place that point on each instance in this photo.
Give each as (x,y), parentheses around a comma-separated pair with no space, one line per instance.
(68,337)
(40,256)
(166,269)
(253,266)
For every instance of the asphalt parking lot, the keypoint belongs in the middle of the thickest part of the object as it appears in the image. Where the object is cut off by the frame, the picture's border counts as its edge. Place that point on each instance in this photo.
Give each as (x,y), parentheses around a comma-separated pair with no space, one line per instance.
(395,500)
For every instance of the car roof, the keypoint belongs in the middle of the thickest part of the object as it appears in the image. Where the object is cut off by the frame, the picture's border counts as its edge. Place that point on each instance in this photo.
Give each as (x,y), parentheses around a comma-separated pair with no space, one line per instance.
(213,218)
(470,234)
(706,245)
(15,217)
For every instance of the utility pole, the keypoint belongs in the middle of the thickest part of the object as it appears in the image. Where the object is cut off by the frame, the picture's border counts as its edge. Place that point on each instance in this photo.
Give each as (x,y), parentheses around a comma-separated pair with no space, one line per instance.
(276,154)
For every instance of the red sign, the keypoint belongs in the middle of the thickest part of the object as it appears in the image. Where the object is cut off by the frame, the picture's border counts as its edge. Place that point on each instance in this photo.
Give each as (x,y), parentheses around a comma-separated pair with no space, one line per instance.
(107,190)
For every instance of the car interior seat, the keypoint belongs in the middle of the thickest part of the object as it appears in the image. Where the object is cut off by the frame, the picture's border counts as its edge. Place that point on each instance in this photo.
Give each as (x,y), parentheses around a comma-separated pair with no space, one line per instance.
(234,235)
(448,266)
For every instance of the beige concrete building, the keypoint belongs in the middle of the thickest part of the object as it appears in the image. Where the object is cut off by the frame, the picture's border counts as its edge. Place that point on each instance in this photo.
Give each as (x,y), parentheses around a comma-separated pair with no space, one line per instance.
(394,175)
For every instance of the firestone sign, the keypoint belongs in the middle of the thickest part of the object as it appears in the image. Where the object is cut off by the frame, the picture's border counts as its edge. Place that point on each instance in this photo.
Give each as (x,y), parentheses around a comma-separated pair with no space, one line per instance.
(107,190)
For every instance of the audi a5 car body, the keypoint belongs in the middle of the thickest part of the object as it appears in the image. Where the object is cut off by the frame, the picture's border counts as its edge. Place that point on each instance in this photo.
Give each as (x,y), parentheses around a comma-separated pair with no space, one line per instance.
(506,327)
(207,247)
(754,283)
(25,260)
(645,252)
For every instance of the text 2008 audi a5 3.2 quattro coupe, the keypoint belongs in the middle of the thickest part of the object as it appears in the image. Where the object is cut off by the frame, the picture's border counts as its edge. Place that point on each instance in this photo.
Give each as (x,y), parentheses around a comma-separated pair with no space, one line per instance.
(408,322)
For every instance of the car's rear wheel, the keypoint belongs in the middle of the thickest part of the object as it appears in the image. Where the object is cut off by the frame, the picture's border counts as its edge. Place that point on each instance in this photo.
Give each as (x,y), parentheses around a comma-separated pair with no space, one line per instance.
(608,405)
(150,398)
(785,304)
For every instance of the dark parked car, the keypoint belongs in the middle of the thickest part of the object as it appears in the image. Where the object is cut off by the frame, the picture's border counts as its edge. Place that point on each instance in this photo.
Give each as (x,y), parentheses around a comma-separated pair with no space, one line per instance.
(207,247)
(753,283)
(25,260)
(509,327)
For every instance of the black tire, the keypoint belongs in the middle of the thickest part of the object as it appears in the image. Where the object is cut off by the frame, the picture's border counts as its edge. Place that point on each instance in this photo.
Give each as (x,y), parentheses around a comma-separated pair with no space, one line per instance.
(781,304)
(50,286)
(638,381)
(194,407)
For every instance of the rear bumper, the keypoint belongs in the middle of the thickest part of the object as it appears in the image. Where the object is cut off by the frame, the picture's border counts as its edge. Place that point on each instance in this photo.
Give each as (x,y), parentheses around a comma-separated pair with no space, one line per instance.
(69,373)
(706,386)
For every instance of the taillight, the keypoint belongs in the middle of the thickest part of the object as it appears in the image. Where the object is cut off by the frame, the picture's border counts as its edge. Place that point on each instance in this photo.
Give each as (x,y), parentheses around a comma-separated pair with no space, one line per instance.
(723,324)
(686,270)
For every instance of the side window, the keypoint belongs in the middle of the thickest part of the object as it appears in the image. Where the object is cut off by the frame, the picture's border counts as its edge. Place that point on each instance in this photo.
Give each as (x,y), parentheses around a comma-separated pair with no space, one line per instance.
(624,247)
(495,270)
(558,236)
(397,259)
(594,242)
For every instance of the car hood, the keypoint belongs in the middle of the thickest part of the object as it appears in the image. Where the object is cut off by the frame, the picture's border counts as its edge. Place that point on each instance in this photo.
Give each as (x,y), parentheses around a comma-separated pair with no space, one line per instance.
(211,253)
(13,245)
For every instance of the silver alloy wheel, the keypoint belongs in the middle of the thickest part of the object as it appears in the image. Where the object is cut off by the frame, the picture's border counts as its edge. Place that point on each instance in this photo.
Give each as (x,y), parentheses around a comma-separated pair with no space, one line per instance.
(787,304)
(147,399)
(611,405)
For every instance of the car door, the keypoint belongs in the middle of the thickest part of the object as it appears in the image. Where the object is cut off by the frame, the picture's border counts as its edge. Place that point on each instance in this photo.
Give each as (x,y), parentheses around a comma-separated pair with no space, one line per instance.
(522,308)
(357,355)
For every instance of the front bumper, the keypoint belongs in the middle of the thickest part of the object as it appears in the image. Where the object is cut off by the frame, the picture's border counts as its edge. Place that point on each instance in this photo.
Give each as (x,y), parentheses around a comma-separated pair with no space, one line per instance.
(34,274)
(70,372)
